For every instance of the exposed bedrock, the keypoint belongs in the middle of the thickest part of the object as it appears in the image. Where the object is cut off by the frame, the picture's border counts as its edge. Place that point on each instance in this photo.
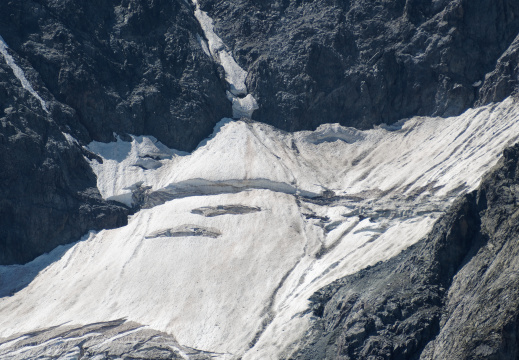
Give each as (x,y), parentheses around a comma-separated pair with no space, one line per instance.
(127,66)
(363,62)
(48,193)
(100,67)
(451,296)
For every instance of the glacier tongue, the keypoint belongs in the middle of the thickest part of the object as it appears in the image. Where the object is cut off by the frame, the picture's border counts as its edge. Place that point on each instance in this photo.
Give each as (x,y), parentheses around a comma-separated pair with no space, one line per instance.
(422,158)
(252,223)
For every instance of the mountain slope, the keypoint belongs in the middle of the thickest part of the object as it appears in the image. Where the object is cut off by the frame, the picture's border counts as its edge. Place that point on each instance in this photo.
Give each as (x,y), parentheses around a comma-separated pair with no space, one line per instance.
(452,295)
(237,236)
(372,241)
(361,62)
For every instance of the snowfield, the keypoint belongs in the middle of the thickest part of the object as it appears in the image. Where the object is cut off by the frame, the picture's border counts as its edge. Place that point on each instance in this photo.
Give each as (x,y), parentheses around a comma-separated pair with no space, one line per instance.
(233,239)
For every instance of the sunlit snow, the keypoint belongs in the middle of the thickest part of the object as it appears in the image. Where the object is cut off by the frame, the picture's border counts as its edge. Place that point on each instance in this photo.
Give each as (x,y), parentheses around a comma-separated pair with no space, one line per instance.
(241,232)
(243,105)
(18,72)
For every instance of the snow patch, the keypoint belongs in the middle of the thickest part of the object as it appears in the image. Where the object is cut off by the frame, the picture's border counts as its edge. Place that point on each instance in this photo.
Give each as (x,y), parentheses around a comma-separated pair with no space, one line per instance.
(70,139)
(129,164)
(18,72)
(242,107)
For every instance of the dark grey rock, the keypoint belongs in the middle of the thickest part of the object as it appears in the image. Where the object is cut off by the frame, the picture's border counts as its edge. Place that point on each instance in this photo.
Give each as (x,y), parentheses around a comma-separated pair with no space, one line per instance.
(186,230)
(210,211)
(128,66)
(363,62)
(102,67)
(504,80)
(392,310)
(481,313)
(48,193)
(454,295)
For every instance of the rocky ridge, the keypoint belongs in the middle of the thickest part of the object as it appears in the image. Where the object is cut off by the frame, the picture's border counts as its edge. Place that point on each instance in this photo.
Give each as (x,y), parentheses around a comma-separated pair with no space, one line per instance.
(451,296)
(362,62)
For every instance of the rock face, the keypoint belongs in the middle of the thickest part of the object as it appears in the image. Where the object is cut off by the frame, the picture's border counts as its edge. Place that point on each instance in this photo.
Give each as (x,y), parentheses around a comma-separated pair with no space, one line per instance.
(361,62)
(451,296)
(48,193)
(503,81)
(129,67)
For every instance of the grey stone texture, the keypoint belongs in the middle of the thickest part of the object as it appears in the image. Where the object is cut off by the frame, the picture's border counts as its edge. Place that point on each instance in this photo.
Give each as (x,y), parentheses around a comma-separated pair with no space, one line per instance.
(454,295)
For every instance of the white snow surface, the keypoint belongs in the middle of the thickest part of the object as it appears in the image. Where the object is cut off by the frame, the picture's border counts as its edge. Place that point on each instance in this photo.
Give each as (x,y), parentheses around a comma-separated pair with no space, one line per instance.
(18,72)
(236,283)
(243,105)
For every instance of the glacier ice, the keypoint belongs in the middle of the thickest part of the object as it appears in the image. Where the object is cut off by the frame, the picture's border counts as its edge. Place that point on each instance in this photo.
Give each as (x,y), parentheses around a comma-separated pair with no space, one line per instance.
(257,221)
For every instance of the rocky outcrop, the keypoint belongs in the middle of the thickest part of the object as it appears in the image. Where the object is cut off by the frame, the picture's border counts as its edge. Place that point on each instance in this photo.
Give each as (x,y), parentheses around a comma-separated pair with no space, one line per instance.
(451,296)
(48,193)
(361,62)
(481,311)
(504,80)
(128,67)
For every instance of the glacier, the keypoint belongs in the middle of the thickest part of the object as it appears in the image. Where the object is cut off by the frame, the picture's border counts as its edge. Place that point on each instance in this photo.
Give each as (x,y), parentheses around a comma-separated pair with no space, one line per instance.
(229,242)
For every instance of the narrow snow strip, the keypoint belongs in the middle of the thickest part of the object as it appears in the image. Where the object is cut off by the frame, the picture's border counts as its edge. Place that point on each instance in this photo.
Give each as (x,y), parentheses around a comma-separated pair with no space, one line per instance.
(10,343)
(243,105)
(120,335)
(18,72)
(203,44)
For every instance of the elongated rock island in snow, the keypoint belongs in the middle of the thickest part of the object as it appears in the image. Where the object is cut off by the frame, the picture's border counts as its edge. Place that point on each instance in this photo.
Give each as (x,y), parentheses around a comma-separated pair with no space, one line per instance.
(233,239)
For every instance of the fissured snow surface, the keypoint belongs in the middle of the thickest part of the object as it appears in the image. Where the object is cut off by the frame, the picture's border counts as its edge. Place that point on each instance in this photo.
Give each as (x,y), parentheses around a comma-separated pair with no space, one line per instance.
(252,223)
